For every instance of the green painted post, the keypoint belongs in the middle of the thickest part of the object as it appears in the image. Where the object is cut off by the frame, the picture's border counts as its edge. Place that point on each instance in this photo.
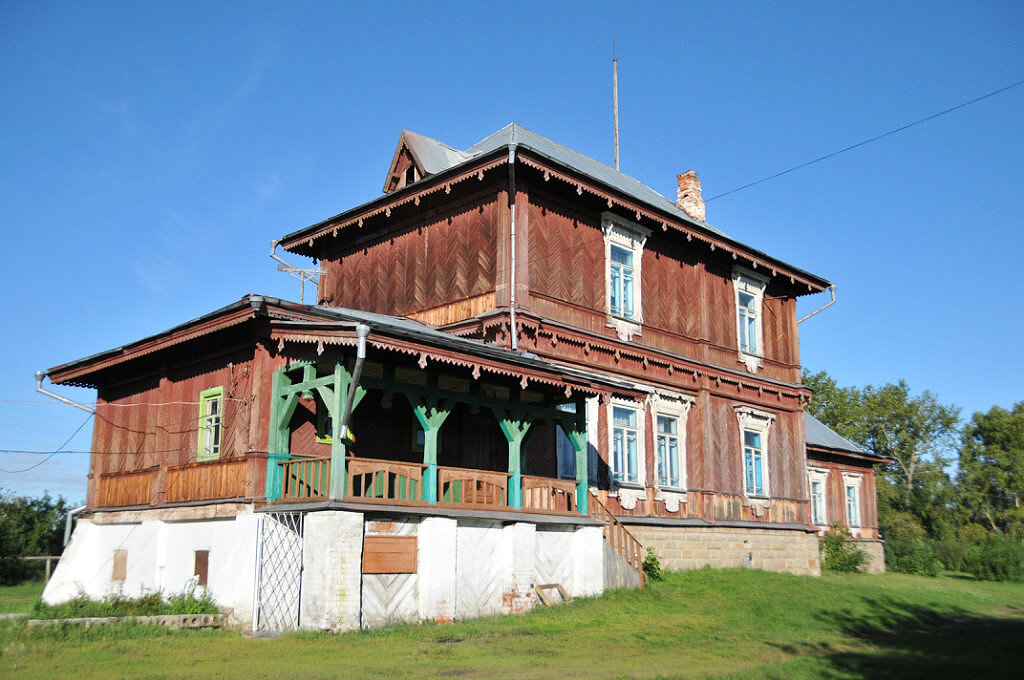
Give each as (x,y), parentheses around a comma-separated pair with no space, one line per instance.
(431,414)
(514,428)
(339,476)
(275,475)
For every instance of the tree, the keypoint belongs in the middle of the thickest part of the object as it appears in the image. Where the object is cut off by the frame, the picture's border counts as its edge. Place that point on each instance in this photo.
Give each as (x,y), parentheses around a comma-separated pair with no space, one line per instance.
(916,432)
(28,526)
(992,469)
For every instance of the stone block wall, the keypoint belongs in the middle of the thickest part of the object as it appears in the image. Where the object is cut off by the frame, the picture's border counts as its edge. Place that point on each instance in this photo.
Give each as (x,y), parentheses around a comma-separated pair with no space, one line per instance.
(876,555)
(682,548)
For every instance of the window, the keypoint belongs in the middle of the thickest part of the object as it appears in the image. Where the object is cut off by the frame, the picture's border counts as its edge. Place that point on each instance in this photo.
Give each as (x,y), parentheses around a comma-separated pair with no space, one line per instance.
(754,427)
(211,407)
(753,463)
(818,480)
(667,442)
(749,288)
(623,254)
(620,274)
(625,438)
(851,485)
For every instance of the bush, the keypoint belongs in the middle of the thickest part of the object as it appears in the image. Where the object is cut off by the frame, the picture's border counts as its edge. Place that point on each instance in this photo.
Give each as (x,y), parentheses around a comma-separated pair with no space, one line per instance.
(912,556)
(996,558)
(652,567)
(152,604)
(839,553)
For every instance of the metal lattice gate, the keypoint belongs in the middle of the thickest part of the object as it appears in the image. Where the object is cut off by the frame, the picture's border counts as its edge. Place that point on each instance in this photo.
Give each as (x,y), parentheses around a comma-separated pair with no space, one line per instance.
(279,580)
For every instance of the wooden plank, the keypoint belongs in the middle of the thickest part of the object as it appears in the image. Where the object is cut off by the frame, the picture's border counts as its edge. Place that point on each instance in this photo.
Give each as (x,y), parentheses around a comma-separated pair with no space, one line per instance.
(389,555)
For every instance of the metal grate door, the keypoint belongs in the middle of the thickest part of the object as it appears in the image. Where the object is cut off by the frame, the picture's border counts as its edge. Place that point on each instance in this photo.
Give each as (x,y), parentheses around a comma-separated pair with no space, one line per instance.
(279,581)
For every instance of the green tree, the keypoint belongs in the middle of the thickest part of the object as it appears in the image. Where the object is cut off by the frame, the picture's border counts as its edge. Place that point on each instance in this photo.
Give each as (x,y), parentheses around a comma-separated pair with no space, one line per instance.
(28,526)
(991,478)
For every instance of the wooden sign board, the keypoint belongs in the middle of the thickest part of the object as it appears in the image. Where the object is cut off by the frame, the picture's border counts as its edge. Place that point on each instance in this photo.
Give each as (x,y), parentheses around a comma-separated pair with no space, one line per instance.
(389,555)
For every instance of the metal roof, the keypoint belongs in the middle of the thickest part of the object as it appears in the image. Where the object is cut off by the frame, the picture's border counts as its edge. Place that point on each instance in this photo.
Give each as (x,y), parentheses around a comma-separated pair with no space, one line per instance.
(818,433)
(520,136)
(433,156)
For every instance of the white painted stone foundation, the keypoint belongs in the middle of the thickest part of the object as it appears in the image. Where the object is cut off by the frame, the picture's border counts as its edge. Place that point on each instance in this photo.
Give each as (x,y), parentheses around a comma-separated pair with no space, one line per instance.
(160,547)
(466,566)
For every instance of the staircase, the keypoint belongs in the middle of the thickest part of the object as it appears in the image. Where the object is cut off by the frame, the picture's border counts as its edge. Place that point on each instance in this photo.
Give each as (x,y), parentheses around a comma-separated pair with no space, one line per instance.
(625,551)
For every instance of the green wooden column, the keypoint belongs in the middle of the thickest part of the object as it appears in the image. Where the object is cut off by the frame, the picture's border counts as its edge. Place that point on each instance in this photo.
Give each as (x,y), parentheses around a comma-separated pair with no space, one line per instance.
(431,413)
(282,406)
(514,426)
(575,428)
(335,399)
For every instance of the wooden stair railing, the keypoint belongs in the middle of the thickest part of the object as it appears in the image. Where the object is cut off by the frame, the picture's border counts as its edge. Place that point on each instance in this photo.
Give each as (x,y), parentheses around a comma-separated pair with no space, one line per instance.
(619,538)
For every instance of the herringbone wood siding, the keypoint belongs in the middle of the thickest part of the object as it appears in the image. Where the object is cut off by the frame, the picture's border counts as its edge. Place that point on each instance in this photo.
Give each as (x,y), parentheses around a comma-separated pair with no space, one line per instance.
(451,257)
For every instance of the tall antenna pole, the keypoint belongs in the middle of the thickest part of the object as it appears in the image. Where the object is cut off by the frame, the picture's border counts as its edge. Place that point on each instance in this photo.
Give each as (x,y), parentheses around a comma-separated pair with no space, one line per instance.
(615,98)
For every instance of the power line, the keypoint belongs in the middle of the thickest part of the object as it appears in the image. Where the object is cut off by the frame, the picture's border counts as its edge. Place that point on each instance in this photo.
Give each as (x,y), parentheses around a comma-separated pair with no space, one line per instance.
(868,141)
(52,453)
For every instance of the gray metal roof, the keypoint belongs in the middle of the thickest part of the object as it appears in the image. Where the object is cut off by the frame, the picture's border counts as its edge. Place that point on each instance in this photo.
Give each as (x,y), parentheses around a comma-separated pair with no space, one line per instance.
(520,136)
(415,330)
(820,434)
(433,156)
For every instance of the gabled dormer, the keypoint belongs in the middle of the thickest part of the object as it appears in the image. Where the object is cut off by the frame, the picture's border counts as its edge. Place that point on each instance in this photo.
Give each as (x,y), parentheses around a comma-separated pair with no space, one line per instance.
(417,157)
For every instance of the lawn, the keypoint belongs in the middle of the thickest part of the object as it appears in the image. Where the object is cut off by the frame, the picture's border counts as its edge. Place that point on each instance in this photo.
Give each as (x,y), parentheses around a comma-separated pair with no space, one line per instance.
(721,624)
(15,599)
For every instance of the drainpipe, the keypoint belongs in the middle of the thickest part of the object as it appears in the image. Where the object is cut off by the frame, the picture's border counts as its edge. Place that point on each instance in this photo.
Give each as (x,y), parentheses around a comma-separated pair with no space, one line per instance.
(362,332)
(39,388)
(512,244)
(831,289)
(67,523)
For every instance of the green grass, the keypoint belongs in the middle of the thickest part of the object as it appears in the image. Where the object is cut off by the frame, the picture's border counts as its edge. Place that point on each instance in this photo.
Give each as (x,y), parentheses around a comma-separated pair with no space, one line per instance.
(721,624)
(14,599)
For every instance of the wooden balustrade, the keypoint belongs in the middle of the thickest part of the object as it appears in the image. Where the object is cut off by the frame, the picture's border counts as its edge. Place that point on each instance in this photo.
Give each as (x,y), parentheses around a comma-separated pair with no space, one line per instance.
(384,480)
(306,478)
(460,486)
(133,487)
(208,480)
(618,537)
(549,495)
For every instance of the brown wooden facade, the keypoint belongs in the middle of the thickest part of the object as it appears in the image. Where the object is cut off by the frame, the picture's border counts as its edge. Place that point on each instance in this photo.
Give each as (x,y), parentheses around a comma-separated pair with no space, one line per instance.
(438,248)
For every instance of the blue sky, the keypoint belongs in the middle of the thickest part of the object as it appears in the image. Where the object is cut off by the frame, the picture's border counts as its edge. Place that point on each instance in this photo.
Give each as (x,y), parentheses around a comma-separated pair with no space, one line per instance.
(150,152)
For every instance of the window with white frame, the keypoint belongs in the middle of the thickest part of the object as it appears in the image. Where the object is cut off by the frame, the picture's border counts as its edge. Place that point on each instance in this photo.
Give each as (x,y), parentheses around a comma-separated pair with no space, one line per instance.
(623,254)
(211,407)
(754,428)
(749,297)
(626,439)
(818,480)
(851,487)
(670,439)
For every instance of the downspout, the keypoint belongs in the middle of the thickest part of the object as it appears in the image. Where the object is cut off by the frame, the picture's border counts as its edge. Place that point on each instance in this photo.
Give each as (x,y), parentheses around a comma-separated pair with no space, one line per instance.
(362,332)
(512,246)
(831,289)
(67,523)
(39,388)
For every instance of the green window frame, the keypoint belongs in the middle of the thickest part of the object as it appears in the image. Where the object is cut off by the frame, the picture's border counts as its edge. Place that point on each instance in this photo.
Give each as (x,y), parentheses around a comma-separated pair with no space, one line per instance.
(211,424)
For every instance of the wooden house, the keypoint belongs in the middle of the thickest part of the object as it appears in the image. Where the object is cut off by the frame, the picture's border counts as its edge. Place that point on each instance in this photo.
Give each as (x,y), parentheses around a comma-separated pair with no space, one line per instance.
(524,368)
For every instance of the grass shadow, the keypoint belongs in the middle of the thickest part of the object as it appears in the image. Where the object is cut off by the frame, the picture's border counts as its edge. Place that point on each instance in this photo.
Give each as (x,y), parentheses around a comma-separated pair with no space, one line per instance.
(918,641)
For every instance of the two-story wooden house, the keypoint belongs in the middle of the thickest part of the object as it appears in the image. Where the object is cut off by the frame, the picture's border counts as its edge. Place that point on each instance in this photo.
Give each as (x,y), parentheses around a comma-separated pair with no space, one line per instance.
(522,366)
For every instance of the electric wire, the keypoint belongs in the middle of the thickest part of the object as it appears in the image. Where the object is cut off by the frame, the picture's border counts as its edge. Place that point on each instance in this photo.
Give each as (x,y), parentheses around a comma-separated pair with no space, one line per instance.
(52,453)
(868,141)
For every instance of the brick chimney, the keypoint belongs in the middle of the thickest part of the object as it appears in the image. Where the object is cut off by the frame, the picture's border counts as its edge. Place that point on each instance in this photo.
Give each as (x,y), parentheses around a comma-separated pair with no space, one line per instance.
(688,195)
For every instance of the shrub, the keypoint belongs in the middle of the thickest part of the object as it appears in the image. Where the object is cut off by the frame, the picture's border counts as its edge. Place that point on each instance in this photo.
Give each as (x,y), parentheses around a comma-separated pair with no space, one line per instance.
(996,558)
(152,604)
(839,553)
(911,556)
(652,567)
